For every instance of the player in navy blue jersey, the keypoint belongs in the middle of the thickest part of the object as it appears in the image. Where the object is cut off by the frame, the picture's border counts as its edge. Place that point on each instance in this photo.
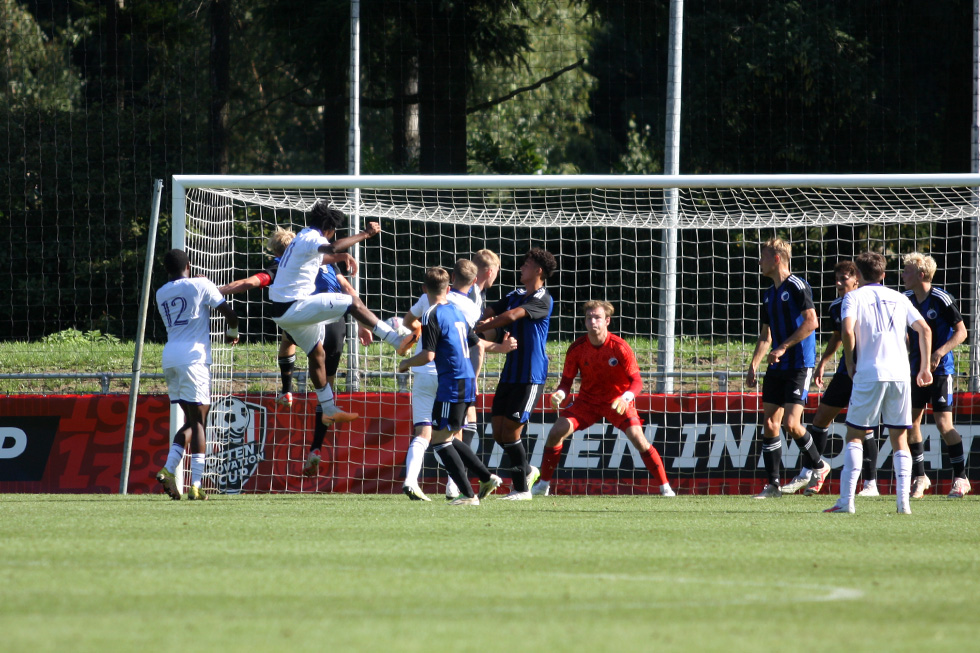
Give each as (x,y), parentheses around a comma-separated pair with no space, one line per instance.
(447,339)
(939,309)
(838,393)
(788,319)
(526,314)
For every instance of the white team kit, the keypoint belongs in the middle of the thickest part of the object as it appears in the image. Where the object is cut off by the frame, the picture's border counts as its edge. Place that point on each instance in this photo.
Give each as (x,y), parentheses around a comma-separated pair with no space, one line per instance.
(881,363)
(426,380)
(184,306)
(295,282)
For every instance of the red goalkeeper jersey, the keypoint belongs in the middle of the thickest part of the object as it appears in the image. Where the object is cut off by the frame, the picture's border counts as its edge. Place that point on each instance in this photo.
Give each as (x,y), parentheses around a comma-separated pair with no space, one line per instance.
(607,371)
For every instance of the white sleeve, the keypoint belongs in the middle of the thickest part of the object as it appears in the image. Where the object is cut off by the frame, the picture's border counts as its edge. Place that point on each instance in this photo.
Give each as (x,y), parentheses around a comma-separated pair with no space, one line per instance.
(847,307)
(212,296)
(421,306)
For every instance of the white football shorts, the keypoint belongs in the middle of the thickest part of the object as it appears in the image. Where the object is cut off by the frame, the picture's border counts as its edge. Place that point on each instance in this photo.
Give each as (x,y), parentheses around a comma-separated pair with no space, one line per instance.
(190,383)
(891,400)
(304,320)
(424,387)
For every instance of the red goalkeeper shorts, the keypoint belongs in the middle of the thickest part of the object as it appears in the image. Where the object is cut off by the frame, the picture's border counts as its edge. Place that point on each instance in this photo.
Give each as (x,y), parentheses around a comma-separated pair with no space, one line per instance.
(583,414)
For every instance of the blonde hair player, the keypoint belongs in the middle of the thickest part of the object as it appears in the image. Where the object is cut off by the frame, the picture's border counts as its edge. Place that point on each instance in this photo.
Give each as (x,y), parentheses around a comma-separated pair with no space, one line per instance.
(940,312)
(788,320)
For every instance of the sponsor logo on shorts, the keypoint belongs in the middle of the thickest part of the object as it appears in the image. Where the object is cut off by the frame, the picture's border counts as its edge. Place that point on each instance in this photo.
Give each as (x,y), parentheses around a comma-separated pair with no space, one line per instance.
(240,428)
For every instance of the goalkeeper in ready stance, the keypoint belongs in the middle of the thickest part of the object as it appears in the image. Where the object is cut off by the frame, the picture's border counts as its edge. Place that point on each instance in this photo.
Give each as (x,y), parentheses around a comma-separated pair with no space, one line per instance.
(610,382)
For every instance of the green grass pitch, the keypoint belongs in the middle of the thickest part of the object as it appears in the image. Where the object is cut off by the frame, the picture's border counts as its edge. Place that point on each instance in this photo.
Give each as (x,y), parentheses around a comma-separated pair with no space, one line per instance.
(381,573)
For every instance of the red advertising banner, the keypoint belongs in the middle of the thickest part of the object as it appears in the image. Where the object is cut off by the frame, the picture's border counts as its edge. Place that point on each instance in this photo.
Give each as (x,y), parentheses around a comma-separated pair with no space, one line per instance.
(709,444)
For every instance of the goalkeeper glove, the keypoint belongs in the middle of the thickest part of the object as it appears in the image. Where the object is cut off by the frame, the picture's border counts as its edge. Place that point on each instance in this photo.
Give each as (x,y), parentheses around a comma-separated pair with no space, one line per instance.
(557,398)
(620,404)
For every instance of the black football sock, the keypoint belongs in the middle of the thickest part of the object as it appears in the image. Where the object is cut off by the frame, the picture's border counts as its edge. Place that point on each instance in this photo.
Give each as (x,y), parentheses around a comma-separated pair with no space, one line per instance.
(957,459)
(286,366)
(869,462)
(809,448)
(519,469)
(319,429)
(772,456)
(820,437)
(450,460)
(471,461)
(469,433)
(917,450)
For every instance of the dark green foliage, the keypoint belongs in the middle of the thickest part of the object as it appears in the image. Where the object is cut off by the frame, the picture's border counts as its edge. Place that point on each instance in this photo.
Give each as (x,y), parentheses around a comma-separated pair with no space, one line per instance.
(99,97)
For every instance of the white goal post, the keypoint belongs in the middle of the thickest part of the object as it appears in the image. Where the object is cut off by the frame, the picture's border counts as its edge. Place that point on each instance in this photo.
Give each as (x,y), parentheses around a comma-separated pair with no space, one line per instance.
(608,235)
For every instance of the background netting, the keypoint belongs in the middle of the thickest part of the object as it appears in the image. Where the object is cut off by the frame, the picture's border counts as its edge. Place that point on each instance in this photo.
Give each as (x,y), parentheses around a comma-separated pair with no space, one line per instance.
(609,243)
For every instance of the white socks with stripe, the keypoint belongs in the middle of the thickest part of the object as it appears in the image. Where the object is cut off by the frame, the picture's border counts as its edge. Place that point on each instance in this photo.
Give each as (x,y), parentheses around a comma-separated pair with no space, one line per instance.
(853,454)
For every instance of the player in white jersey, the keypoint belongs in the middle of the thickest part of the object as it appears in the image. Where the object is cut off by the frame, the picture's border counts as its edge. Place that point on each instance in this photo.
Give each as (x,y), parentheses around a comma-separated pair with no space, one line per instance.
(184,304)
(426,381)
(302,314)
(874,321)
(487,268)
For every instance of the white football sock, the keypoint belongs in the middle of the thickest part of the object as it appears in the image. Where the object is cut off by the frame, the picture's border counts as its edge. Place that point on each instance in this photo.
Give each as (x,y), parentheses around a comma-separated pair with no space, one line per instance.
(325,396)
(413,461)
(387,334)
(174,457)
(197,469)
(902,467)
(853,453)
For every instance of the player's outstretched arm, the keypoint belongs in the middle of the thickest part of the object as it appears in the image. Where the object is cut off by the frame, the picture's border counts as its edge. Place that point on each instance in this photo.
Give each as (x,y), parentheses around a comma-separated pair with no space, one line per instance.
(342,245)
(502,320)
(259,280)
(424,357)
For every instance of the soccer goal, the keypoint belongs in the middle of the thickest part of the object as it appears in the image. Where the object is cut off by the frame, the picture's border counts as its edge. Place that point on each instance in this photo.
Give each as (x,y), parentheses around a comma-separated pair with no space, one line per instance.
(677,256)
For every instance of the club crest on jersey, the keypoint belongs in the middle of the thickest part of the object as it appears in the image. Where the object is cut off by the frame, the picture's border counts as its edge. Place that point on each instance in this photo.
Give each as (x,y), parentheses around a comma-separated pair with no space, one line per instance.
(785,296)
(613,362)
(931,314)
(240,430)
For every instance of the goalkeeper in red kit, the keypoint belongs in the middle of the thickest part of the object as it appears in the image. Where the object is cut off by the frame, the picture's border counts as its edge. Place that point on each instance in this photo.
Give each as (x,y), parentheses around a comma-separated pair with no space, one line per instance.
(610,382)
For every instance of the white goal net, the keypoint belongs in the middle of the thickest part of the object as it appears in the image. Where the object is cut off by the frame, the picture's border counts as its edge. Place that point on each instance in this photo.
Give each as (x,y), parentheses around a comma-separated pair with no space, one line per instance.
(684,282)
